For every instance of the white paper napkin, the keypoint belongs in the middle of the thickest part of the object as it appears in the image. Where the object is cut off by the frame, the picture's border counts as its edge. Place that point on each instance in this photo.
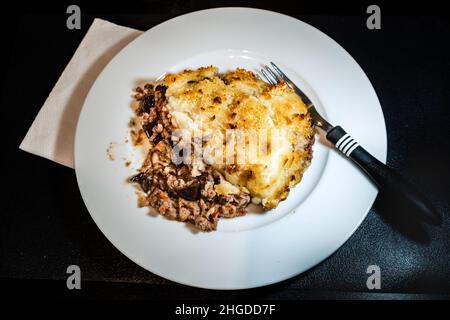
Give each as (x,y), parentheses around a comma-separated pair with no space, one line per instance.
(53,131)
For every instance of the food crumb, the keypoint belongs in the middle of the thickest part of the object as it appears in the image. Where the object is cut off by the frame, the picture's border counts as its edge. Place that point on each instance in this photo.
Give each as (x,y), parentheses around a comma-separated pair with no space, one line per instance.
(109,151)
(142,199)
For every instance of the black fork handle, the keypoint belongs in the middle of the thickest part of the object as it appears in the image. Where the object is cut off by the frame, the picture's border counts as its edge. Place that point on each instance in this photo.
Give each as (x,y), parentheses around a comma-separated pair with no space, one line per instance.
(384,177)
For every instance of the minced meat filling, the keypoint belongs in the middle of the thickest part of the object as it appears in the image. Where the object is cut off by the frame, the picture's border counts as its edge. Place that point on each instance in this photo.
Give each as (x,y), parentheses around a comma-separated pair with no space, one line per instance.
(171,189)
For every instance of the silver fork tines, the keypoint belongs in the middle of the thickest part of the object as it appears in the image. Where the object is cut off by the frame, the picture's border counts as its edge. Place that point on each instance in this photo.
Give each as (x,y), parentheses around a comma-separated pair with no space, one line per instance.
(268,77)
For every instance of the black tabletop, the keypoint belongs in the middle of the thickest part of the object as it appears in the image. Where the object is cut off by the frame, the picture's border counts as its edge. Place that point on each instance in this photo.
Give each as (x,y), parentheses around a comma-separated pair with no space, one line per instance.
(45,226)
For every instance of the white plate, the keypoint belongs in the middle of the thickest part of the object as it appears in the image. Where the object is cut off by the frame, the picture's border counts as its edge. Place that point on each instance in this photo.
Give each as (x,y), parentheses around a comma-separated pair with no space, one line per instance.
(319,215)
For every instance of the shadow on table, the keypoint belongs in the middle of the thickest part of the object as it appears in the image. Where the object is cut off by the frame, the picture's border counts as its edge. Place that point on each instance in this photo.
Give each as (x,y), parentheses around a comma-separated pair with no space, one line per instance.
(400,216)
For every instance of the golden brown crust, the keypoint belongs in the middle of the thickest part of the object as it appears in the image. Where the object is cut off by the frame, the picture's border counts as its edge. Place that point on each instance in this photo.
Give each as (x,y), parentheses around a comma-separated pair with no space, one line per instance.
(204,100)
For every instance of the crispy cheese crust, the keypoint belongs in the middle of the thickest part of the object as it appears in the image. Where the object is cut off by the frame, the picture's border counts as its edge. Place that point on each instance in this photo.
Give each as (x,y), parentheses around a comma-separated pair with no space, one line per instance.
(204,100)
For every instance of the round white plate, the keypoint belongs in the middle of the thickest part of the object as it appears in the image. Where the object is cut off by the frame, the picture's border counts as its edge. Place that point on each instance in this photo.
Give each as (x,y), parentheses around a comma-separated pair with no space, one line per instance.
(319,215)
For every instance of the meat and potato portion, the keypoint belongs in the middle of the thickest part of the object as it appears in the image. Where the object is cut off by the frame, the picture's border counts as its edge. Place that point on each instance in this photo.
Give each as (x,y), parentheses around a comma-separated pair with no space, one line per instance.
(225,114)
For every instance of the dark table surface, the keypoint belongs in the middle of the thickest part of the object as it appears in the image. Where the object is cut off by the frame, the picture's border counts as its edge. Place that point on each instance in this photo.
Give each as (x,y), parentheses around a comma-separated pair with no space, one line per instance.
(45,226)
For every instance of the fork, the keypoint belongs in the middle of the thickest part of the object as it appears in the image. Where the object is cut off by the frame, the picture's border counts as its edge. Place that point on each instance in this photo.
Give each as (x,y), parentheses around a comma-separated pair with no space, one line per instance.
(384,177)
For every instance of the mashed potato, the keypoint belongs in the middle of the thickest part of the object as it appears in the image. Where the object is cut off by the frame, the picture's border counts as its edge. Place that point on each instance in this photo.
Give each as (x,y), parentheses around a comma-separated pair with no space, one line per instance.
(259,136)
